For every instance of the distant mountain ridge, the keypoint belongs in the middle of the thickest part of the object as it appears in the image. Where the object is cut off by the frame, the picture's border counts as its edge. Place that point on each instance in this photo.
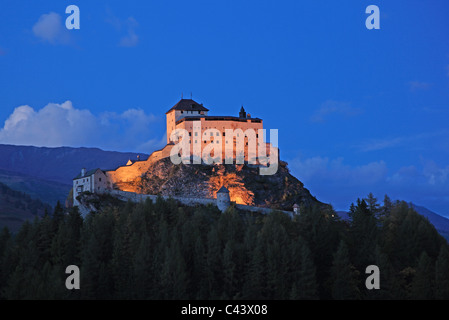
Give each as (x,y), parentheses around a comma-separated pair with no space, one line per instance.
(440,223)
(60,164)
(47,173)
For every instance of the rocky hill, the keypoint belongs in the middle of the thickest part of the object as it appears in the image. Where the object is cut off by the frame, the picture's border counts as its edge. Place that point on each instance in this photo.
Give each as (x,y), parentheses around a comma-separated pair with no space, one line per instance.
(244,182)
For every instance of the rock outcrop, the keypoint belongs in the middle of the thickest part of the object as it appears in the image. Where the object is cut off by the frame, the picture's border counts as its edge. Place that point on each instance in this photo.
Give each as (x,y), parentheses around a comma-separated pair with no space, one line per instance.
(245,184)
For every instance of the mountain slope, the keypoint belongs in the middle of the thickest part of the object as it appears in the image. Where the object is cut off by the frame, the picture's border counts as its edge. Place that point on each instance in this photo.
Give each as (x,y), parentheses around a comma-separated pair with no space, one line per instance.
(47,173)
(59,164)
(16,207)
(47,191)
(440,223)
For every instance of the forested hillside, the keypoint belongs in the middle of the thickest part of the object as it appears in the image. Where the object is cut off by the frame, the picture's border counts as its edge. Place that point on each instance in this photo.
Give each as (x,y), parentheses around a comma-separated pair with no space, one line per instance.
(16,207)
(165,251)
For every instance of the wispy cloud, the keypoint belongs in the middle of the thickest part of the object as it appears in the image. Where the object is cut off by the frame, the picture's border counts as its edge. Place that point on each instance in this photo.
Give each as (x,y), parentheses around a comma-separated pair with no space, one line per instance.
(339,183)
(381,144)
(130,39)
(332,107)
(125,27)
(419,85)
(49,28)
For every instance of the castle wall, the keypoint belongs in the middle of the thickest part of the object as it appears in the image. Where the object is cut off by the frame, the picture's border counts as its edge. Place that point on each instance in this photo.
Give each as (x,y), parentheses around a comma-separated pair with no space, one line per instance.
(202,140)
(137,197)
(131,172)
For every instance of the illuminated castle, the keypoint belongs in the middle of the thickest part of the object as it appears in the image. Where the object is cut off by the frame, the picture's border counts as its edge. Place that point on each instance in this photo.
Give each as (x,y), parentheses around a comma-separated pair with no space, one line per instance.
(192,117)
(204,130)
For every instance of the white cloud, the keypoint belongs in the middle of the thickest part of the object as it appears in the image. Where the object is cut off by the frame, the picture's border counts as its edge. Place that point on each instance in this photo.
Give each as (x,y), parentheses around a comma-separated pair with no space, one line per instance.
(49,28)
(63,125)
(330,107)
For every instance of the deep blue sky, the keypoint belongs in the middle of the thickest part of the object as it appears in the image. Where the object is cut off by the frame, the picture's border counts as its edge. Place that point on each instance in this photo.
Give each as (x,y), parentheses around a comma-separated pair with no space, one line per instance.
(357,110)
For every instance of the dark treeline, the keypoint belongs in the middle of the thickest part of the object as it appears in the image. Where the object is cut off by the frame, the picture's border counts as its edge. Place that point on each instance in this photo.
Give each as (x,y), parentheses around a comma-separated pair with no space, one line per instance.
(163,251)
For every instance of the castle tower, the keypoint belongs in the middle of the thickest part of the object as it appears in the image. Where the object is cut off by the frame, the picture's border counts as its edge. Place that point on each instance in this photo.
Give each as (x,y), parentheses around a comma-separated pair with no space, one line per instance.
(223,199)
(242,113)
(295,209)
(184,108)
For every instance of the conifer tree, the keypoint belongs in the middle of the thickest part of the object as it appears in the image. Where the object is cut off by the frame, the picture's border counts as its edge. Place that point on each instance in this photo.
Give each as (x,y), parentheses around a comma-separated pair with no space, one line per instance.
(442,274)
(422,285)
(307,287)
(214,262)
(344,276)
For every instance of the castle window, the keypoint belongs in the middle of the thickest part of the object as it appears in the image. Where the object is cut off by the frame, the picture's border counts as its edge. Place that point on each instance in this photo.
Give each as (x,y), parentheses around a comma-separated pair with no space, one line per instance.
(196,134)
(190,134)
(195,141)
(211,134)
(99,179)
(223,134)
(217,141)
(218,133)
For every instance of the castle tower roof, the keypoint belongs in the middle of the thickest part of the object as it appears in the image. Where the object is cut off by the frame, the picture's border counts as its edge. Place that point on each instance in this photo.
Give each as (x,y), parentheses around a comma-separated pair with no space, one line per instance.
(188,105)
(223,189)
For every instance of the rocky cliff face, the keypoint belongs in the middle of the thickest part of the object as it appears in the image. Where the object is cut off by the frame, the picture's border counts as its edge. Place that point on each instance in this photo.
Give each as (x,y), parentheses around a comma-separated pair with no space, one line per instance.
(246,186)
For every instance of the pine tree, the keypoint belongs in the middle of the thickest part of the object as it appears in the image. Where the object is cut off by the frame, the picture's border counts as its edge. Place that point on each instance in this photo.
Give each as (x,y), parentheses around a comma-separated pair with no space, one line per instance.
(199,285)
(442,274)
(307,283)
(386,208)
(255,284)
(344,276)
(373,205)
(229,270)
(364,234)
(422,285)
(5,239)
(214,270)
(142,272)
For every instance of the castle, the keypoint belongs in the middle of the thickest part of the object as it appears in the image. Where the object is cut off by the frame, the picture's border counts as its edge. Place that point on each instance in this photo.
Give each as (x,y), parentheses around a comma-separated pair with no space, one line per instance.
(194,119)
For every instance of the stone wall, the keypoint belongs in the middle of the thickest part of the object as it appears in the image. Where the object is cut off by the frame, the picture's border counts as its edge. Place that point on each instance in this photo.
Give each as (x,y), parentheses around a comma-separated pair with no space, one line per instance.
(137,197)
(135,170)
